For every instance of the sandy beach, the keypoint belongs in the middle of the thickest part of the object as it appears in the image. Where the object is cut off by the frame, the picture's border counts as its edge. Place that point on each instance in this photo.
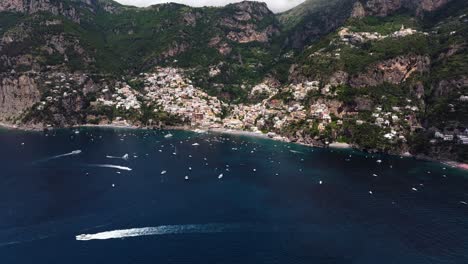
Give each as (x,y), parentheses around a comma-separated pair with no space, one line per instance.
(238,132)
(4,125)
(459,165)
(340,145)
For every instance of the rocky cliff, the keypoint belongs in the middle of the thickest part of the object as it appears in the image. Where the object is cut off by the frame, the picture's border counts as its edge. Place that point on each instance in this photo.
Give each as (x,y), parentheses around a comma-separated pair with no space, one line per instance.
(382,75)
(388,7)
(74,9)
(17,94)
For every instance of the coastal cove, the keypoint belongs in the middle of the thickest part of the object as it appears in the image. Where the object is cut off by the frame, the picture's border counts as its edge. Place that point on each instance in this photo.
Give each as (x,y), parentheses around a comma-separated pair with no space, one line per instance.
(259,134)
(222,132)
(132,195)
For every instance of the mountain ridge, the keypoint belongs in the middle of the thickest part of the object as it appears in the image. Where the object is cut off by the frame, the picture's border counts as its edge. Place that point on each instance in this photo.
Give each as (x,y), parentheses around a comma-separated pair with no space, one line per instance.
(378,74)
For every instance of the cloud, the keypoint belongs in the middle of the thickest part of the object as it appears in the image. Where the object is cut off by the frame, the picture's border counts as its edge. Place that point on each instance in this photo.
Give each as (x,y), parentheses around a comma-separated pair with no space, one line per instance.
(274,5)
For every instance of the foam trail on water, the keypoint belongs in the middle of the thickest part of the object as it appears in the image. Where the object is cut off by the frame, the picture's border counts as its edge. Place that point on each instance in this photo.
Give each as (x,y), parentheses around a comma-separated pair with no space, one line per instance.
(162,230)
(10,243)
(111,166)
(124,157)
(297,152)
(75,152)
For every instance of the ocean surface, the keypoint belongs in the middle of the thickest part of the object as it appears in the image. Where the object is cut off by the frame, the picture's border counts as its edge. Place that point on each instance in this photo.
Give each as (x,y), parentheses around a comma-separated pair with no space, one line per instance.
(121,196)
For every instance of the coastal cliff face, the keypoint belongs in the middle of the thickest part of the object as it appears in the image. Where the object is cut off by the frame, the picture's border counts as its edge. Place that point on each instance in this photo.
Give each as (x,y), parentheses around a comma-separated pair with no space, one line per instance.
(381,75)
(17,94)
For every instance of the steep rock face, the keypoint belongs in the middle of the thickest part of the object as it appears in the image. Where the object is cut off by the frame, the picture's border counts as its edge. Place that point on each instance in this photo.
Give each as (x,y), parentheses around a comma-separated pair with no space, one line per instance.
(243,24)
(394,71)
(387,7)
(250,34)
(35,6)
(315,18)
(247,10)
(358,10)
(428,5)
(17,93)
(316,21)
(12,5)
(175,49)
(446,87)
(57,7)
(222,47)
(382,7)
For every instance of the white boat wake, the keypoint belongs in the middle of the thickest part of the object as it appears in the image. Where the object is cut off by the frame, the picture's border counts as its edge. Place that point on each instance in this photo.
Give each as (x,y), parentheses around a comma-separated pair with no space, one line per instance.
(297,152)
(162,230)
(73,153)
(124,157)
(111,166)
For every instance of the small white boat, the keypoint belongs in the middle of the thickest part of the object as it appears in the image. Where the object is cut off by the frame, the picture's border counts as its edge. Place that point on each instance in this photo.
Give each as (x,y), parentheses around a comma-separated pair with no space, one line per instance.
(375,175)
(163,172)
(414,189)
(168,136)
(125,157)
(195,144)
(320,182)
(379,161)
(220,176)
(186,178)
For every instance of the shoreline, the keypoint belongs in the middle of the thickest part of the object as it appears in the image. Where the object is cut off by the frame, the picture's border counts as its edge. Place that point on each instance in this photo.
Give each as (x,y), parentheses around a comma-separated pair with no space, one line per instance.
(238,133)
(7,126)
(333,145)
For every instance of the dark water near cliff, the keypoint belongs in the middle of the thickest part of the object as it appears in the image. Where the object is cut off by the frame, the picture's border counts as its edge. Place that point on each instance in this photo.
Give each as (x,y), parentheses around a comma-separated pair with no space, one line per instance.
(269,206)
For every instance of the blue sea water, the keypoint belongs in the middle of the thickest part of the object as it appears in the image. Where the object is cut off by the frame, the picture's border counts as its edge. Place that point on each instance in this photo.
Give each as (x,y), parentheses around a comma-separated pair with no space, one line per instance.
(275,202)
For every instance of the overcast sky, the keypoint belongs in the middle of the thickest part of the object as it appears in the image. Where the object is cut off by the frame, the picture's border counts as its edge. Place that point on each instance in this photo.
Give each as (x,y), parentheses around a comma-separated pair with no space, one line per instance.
(275,5)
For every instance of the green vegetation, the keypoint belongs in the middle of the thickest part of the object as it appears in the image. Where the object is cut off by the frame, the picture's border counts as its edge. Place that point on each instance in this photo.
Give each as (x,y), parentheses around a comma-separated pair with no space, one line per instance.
(366,136)
(322,62)
(383,25)
(134,40)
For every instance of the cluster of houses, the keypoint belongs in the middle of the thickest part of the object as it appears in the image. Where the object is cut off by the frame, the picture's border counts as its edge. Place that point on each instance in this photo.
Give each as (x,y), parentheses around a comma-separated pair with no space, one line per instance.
(124,98)
(392,120)
(301,90)
(321,111)
(60,86)
(175,94)
(349,37)
(460,137)
(263,88)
